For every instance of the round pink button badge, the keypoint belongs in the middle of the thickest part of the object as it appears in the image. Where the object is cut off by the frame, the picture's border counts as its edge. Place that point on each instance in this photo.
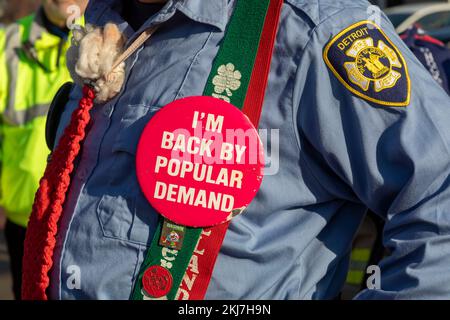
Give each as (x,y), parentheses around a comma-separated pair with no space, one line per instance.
(200,161)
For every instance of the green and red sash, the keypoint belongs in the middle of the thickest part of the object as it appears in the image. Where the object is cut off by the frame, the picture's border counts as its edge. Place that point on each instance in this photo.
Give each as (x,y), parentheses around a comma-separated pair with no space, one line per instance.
(247,47)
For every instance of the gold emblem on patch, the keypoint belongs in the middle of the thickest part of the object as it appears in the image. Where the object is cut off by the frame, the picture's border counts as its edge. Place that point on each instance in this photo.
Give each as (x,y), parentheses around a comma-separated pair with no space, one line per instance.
(368,64)
(372,64)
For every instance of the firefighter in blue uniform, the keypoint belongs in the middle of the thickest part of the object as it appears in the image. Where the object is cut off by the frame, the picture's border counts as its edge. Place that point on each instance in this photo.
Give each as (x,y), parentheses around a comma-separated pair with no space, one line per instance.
(433,54)
(361,125)
(367,246)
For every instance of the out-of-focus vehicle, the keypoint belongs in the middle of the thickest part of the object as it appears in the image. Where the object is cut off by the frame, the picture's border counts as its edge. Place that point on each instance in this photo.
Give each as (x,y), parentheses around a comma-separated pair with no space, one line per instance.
(442,34)
(429,16)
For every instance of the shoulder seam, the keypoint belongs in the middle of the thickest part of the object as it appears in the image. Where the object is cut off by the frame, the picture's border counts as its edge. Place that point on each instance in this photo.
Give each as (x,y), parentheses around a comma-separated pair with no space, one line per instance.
(313,30)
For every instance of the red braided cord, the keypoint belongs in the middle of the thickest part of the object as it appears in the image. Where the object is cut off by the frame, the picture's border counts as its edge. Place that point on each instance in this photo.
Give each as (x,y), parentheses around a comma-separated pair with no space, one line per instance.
(48,203)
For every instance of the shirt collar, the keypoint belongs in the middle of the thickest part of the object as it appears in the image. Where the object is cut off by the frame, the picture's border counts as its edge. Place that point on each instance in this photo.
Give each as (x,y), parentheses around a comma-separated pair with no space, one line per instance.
(39,36)
(212,12)
(37,26)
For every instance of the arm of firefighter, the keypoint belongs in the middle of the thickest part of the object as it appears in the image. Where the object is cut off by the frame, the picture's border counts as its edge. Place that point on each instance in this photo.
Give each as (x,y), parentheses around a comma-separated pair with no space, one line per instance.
(375,128)
(3,93)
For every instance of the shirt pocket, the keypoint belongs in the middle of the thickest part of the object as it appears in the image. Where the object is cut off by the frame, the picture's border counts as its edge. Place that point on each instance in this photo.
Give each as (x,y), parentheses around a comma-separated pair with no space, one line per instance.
(123,211)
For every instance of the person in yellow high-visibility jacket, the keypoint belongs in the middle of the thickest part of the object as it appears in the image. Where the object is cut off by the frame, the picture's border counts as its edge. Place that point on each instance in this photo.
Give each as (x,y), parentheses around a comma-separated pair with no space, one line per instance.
(32,68)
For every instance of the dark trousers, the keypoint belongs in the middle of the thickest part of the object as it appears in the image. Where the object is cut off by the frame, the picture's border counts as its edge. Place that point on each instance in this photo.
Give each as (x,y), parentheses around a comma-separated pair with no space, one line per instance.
(15,237)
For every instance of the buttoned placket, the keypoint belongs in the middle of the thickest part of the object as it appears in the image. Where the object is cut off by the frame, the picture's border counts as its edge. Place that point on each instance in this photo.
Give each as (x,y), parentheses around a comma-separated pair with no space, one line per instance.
(101,122)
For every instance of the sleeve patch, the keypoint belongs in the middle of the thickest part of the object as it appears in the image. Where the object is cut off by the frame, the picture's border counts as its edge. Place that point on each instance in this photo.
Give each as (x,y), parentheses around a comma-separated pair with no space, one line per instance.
(368,64)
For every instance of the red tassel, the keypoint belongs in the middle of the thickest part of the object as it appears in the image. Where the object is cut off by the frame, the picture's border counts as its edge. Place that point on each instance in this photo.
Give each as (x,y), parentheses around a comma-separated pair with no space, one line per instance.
(48,204)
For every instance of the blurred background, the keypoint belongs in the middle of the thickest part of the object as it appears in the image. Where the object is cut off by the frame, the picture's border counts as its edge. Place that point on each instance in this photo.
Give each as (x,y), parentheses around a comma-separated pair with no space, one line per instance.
(12,10)
(432,16)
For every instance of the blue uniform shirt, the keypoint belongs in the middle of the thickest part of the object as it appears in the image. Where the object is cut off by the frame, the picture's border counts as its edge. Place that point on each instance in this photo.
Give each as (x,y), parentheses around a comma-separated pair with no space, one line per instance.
(339,154)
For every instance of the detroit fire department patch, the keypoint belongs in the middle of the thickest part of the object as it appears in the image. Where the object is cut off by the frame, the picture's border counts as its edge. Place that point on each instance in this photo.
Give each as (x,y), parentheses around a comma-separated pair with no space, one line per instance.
(368,64)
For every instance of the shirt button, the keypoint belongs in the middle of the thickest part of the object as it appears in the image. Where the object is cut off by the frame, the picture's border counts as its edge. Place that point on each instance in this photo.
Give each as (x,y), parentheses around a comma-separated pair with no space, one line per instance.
(157,281)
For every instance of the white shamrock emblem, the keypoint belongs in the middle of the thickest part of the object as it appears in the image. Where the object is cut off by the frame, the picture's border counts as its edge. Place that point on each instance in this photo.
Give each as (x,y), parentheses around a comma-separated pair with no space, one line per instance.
(227,80)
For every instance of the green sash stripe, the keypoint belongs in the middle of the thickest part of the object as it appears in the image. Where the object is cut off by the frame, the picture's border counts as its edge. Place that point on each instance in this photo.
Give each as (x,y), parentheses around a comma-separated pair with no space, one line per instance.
(176,261)
(240,46)
(237,54)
